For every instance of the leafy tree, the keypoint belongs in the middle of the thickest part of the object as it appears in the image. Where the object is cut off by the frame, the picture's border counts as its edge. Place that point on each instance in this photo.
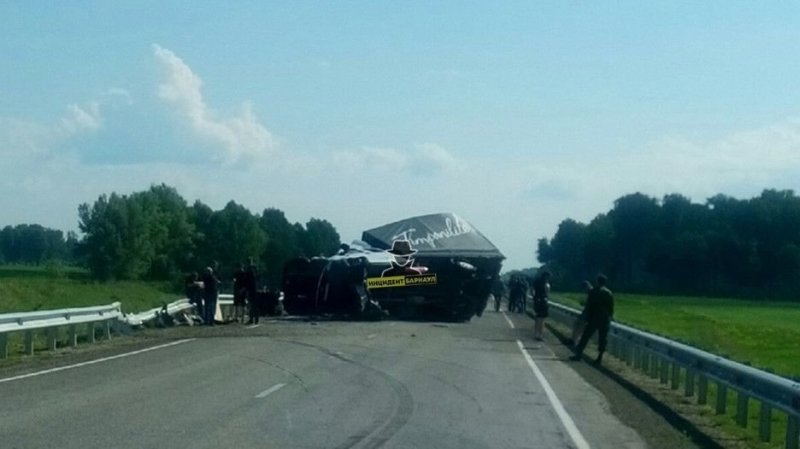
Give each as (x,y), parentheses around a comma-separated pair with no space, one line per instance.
(32,244)
(232,236)
(725,246)
(319,239)
(144,235)
(281,244)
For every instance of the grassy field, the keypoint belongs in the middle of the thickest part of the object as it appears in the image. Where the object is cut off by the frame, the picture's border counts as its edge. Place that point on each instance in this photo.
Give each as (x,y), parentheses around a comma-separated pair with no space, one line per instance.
(24,289)
(763,334)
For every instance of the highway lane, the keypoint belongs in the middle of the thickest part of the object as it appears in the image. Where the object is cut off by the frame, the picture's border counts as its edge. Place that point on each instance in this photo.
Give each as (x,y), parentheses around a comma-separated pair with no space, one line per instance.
(324,385)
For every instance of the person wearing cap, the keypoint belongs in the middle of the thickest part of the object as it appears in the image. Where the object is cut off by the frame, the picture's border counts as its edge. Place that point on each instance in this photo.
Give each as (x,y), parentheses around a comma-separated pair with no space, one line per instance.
(599,311)
(402,263)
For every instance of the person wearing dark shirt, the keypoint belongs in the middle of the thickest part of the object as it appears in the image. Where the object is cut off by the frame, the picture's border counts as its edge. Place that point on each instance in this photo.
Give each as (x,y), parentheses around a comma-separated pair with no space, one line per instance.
(541,304)
(599,312)
(239,293)
(194,293)
(251,291)
(498,290)
(516,297)
(210,294)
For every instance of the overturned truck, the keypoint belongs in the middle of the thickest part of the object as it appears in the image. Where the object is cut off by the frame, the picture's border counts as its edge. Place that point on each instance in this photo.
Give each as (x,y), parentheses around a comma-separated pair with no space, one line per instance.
(436,263)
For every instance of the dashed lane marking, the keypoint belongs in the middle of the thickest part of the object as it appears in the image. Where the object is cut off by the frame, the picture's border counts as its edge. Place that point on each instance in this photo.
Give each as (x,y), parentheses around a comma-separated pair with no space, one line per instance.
(269,391)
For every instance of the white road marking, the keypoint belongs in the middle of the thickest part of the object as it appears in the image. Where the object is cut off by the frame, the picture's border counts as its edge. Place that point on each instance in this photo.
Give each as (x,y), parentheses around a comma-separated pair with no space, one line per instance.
(371,336)
(269,391)
(566,420)
(252,326)
(510,323)
(92,362)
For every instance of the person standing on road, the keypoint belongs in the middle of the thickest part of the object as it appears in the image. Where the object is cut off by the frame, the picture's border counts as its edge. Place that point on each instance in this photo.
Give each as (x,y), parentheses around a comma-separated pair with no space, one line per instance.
(210,293)
(516,297)
(498,289)
(194,293)
(541,304)
(599,312)
(239,293)
(251,289)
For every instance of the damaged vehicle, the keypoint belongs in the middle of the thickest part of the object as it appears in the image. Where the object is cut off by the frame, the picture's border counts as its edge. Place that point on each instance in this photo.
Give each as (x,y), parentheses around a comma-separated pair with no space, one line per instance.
(435,264)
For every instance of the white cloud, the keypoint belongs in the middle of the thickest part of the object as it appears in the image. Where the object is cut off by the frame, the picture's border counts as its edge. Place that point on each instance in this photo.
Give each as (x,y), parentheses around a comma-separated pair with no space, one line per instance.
(436,157)
(81,118)
(427,158)
(372,159)
(743,162)
(116,93)
(29,139)
(236,138)
(19,138)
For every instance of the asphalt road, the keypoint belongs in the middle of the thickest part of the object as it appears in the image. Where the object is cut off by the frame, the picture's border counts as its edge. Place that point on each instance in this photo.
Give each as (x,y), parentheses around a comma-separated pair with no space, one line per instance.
(295,384)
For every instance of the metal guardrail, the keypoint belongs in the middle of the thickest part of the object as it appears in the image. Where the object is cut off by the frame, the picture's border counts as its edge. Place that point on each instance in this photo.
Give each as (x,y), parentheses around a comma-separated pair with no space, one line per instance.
(224,301)
(173,308)
(51,320)
(675,363)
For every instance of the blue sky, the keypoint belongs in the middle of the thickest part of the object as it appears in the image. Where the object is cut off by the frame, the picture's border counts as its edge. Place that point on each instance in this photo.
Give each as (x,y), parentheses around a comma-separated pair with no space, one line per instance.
(514,115)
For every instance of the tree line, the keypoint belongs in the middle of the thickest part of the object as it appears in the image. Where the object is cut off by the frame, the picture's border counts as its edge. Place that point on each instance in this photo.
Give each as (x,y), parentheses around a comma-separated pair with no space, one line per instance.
(725,246)
(33,244)
(156,235)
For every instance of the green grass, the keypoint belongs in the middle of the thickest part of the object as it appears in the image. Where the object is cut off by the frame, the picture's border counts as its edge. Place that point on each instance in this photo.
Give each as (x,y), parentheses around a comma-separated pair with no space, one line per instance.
(25,289)
(763,334)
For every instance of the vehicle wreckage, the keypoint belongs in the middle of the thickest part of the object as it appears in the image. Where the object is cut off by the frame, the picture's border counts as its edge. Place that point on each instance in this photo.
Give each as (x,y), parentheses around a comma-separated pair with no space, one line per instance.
(436,263)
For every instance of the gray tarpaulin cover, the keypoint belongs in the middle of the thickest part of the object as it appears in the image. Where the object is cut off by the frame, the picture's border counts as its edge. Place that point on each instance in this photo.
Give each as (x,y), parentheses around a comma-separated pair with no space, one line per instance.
(443,234)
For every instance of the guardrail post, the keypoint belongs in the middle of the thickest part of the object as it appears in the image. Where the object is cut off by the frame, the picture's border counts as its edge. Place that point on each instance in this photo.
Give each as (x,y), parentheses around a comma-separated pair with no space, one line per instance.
(630,354)
(676,376)
(3,346)
(765,423)
(108,329)
(29,342)
(643,355)
(741,409)
(646,360)
(702,389)
(657,362)
(73,335)
(637,357)
(51,338)
(664,371)
(90,332)
(722,398)
(689,387)
(625,351)
(793,432)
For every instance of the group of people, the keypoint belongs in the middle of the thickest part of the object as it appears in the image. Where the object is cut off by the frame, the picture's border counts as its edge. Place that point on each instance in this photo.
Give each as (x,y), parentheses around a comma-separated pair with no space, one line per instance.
(202,290)
(245,293)
(596,316)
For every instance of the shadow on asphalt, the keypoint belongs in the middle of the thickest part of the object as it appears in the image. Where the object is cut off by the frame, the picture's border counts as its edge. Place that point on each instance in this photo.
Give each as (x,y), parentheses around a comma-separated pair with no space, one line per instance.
(677,421)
